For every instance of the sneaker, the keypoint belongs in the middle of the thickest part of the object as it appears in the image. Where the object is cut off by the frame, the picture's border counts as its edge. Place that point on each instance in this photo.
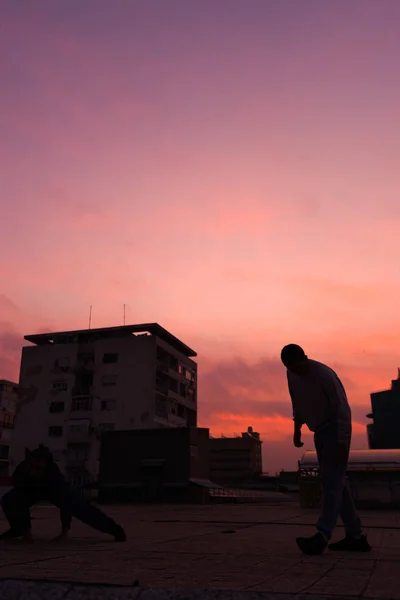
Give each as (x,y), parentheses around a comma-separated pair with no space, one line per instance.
(120,535)
(313,545)
(349,544)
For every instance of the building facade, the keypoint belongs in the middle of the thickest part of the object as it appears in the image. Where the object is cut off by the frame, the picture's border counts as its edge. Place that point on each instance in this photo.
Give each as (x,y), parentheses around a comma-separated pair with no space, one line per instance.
(8,407)
(235,460)
(153,464)
(384,431)
(82,383)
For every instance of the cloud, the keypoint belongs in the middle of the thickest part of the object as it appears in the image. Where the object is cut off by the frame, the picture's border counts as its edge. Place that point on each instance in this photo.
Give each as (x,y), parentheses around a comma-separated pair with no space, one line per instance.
(7,305)
(10,351)
(235,394)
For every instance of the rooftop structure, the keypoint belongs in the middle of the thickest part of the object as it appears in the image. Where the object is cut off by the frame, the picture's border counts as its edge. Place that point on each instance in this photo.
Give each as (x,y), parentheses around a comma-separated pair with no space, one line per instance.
(102,333)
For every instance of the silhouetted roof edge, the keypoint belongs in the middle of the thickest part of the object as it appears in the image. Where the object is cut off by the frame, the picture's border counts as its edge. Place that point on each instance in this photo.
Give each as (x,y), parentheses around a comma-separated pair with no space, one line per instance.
(152,328)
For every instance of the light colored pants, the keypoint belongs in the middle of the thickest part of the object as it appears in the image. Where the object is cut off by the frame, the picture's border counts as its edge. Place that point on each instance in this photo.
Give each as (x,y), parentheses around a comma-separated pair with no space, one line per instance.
(336,495)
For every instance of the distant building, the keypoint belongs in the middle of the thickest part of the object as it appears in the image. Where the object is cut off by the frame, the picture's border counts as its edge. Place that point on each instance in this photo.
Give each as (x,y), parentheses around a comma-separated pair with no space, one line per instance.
(81,383)
(8,406)
(384,431)
(154,465)
(235,460)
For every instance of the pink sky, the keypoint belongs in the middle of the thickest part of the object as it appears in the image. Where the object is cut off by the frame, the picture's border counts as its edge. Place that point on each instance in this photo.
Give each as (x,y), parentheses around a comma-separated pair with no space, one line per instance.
(228,169)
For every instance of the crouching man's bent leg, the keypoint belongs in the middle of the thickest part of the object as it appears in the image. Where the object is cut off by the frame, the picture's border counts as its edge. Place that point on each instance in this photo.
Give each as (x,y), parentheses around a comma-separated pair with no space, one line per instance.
(72,505)
(16,504)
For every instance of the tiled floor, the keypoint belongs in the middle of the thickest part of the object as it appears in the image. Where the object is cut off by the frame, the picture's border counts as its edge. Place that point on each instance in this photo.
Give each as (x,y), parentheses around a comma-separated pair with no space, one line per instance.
(235,547)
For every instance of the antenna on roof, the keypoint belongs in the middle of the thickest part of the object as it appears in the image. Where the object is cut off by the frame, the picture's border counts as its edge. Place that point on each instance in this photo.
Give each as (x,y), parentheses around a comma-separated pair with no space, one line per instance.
(124,313)
(90,316)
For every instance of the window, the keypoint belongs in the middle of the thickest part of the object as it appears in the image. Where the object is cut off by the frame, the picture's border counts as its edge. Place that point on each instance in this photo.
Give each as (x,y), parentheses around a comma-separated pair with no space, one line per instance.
(58,455)
(173,385)
(83,403)
(7,420)
(55,431)
(106,427)
(191,418)
(61,363)
(181,411)
(78,453)
(85,360)
(57,407)
(108,405)
(182,390)
(60,386)
(109,380)
(79,429)
(161,406)
(174,363)
(110,357)
(4,450)
(83,384)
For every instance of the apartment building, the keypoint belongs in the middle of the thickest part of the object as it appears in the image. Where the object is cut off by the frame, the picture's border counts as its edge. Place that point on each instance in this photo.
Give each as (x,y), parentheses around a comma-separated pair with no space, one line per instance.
(235,460)
(85,382)
(8,406)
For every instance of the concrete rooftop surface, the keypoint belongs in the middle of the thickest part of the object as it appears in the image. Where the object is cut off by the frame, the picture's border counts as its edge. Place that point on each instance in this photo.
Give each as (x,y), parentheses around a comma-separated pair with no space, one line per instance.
(230,550)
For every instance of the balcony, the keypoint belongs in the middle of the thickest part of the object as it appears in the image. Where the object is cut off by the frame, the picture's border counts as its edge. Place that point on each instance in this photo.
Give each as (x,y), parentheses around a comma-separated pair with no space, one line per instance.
(82,403)
(163,367)
(80,431)
(79,437)
(5,435)
(76,462)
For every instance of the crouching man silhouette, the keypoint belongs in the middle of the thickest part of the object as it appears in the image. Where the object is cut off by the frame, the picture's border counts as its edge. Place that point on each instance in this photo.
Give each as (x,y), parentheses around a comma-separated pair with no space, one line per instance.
(38,479)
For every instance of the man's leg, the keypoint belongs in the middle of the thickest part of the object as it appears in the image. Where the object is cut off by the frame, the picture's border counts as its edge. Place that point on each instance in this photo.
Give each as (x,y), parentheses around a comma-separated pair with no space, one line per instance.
(355,540)
(15,505)
(349,515)
(89,514)
(333,479)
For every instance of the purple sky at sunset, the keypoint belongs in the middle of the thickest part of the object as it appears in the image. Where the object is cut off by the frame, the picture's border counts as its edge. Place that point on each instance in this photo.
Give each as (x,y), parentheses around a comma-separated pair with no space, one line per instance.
(227,168)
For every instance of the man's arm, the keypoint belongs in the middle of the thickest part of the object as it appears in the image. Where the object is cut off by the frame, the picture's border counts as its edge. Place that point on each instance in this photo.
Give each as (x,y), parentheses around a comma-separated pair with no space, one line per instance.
(298,422)
(336,394)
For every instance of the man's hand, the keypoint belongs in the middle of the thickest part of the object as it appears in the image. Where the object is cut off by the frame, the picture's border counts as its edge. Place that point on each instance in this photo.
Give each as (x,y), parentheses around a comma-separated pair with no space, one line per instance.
(63,537)
(297,439)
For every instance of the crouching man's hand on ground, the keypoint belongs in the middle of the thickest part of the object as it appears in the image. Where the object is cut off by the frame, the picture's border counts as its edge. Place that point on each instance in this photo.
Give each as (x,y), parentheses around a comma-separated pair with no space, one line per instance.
(63,537)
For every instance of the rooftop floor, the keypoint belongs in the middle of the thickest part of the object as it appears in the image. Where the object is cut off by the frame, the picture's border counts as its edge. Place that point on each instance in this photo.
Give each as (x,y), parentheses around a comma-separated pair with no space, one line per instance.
(244,547)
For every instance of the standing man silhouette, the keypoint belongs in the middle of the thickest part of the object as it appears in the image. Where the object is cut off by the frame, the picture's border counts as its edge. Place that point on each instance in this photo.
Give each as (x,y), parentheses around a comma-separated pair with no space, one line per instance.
(319,401)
